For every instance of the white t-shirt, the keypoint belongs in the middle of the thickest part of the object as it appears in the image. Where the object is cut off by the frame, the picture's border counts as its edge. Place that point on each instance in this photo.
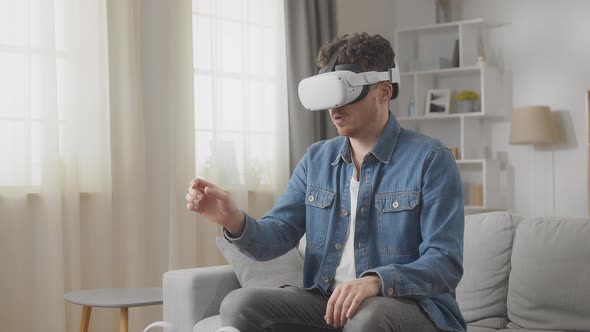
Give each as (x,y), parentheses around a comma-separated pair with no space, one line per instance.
(346,270)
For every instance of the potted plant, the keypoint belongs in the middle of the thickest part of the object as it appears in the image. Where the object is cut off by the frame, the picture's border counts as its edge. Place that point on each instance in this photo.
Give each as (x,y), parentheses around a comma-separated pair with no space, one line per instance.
(467,101)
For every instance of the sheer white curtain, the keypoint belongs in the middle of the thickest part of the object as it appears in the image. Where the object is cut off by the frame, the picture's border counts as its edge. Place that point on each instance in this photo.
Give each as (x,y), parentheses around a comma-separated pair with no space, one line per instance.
(101,128)
(55,188)
(240,98)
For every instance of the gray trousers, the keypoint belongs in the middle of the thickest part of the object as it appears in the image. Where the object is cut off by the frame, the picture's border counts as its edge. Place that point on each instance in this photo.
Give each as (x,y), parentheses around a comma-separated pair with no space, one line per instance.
(294,309)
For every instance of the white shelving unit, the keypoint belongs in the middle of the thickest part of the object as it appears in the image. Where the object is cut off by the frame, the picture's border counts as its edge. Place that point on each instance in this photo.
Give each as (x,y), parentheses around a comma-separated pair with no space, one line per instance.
(419,52)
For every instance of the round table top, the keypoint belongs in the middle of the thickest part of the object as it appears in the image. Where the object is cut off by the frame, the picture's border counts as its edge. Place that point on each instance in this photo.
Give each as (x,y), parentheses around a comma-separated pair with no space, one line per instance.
(116,297)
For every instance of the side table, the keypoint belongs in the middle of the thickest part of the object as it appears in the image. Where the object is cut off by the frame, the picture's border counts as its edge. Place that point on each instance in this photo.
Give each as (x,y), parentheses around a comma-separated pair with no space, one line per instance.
(123,298)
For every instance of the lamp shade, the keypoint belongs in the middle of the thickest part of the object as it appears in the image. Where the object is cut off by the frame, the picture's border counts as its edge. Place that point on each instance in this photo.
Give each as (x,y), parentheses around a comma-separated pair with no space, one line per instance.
(532,125)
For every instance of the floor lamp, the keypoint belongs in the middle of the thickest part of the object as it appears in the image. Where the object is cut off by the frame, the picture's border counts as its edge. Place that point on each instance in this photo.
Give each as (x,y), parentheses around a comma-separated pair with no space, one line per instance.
(533,125)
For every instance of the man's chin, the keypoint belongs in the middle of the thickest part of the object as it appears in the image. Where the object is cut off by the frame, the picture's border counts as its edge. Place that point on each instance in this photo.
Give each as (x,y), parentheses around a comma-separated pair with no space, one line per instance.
(343,131)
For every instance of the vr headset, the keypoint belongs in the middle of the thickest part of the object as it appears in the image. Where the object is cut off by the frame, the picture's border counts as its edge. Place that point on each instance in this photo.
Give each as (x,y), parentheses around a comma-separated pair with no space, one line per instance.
(336,86)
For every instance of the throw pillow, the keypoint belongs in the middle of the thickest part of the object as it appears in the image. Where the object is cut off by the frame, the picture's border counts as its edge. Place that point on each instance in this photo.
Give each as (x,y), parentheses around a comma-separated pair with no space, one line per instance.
(283,270)
(486,262)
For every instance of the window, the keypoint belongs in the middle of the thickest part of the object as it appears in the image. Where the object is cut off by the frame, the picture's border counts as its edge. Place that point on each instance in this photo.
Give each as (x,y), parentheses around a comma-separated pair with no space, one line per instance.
(29,68)
(239,64)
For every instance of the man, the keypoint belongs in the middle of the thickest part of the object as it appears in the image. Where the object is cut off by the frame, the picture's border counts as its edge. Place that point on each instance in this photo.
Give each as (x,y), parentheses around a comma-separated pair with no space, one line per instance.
(382,211)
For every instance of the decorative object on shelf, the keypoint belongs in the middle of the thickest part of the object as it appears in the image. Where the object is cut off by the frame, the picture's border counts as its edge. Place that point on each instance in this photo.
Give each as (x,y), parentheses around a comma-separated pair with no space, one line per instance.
(481,61)
(485,152)
(456,57)
(412,107)
(481,53)
(438,101)
(455,152)
(477,194)
(432,63)
(532,125)
(467,101)
(443,11)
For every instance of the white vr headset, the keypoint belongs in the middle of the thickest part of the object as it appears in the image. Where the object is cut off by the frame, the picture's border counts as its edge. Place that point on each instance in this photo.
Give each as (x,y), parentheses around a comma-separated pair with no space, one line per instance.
(336,86)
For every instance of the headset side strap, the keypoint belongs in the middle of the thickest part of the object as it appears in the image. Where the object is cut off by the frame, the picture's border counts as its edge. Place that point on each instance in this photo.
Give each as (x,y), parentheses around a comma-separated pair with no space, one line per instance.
(368,77)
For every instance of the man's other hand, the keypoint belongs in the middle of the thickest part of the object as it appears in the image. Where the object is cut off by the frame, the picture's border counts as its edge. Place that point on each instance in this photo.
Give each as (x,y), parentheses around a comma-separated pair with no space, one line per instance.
(347,297)
(215,204)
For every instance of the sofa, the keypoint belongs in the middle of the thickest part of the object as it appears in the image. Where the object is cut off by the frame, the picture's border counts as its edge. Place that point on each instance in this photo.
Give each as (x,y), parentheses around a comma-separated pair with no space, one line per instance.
(531,274)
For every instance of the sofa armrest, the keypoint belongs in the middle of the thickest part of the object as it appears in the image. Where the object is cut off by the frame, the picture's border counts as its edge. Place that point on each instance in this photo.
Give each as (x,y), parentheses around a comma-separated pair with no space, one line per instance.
(194,294)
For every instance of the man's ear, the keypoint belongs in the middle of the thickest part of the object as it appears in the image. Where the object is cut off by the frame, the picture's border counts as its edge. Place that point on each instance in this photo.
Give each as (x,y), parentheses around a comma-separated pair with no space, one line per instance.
(385,92)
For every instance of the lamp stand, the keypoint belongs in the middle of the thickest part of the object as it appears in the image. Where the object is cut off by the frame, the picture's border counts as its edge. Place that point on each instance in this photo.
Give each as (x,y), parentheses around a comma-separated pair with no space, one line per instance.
(553,181)
(532,181)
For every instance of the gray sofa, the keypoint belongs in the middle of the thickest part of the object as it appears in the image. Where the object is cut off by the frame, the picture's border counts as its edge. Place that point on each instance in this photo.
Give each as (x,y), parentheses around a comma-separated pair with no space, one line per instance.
(531,274)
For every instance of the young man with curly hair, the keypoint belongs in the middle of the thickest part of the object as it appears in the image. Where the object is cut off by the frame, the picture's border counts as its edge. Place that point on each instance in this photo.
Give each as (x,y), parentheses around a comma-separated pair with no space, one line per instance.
(382,211)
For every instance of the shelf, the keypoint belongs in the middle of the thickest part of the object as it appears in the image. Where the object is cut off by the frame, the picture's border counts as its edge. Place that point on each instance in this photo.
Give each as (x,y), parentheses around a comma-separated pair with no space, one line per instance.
(440,117)
(441,25)
(482,79)
(443,71)
(471,161)
(421,51)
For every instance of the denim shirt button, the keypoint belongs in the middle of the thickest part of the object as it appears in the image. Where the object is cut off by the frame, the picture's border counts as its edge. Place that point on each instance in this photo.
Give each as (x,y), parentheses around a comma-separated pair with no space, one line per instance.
(338,246)
(344,212)
(395,204)
(390,291)
(325,279)
(311,198)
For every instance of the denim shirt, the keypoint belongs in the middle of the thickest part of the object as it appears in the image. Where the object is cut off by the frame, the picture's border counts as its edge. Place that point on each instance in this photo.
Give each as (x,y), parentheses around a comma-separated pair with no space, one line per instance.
(409,219)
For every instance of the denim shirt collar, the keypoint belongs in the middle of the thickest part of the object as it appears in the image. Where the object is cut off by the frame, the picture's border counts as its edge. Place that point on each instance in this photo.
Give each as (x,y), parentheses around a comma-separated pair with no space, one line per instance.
(382,150)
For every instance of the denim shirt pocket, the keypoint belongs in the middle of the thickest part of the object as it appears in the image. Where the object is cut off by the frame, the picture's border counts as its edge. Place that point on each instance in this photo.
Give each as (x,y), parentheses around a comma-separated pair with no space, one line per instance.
(318,202)
(398,213)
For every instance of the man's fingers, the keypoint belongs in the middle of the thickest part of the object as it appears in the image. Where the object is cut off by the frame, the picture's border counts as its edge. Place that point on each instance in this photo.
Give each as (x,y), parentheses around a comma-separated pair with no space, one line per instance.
(197,186)
(354,305)
(192,185)
(216,193)
(329,317)
(200,184)
(192,207)
(345,307)
(336,315)
(194,198)
(339,307)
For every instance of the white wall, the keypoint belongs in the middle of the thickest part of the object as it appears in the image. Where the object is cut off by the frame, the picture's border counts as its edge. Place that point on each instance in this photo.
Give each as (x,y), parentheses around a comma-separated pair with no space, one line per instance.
(542,48)
(373,16)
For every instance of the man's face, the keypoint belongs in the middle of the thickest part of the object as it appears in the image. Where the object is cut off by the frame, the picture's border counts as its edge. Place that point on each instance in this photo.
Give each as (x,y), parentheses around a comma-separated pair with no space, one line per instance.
(360,119)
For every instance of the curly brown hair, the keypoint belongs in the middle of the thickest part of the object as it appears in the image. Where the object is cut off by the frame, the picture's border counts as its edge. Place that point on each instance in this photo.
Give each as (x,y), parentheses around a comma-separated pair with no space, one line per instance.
(367,52)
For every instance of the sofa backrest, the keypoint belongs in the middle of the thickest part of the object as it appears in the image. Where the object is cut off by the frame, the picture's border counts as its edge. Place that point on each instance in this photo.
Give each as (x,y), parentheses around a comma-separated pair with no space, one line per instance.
(486,262)
(550,278)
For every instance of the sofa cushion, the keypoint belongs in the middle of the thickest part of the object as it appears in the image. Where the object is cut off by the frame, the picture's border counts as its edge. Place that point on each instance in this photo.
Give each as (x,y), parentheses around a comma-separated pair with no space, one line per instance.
(511,327)
(486,262)
(283,270)
(550,278)
(479,329)
(208,324)
(521,330)
(491,323)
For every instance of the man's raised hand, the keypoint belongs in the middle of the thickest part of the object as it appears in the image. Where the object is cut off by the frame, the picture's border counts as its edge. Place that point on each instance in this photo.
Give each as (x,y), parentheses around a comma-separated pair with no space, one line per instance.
(215,204)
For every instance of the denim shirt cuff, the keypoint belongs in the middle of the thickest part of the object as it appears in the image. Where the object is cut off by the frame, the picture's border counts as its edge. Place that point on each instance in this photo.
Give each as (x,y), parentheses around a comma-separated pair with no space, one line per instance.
(387,281)
(247,233)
